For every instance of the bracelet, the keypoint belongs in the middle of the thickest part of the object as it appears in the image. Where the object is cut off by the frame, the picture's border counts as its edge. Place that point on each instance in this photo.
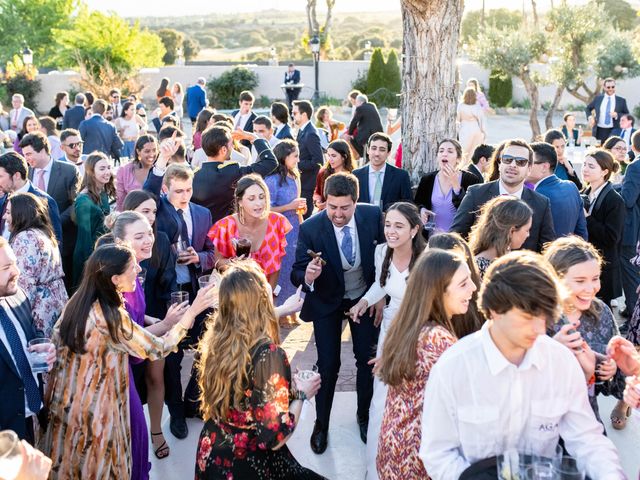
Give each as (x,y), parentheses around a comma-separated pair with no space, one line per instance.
(300,395)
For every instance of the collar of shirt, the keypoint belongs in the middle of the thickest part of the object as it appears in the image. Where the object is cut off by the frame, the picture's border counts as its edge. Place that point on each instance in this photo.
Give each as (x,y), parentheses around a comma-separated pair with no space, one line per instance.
(373,172)
(497,361)
(302,127)
(47,167)
(278,129)
(24,188)
(351,225)
(535,187)
(594,194)
(503,190)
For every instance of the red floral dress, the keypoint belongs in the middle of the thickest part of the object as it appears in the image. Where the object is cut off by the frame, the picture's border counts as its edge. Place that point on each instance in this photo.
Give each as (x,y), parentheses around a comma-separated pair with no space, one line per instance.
(269,255)
(240,448)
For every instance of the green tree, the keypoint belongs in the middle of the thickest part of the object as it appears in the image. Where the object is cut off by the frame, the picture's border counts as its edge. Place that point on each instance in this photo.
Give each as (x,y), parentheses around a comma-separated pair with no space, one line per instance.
(172,40)
(33,22)
(623,14)
(500,88)
(500,18)
(392,78)
(375,77)
(191,48)
(226,88)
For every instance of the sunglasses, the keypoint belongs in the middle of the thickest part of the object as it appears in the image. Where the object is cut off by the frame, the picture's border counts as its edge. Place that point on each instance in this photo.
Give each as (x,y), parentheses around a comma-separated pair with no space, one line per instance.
(611,87)
(509,159)
(74,145)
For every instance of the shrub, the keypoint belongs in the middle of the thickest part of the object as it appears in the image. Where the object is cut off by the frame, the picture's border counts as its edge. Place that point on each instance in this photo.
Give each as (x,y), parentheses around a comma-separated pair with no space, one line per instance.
(500,89)
(21,83)
(226,88)
(360,83)
(375,77)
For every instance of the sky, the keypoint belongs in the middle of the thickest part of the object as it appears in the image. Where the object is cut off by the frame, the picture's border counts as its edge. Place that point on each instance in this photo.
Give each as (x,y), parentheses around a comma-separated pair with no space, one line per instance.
(128,8)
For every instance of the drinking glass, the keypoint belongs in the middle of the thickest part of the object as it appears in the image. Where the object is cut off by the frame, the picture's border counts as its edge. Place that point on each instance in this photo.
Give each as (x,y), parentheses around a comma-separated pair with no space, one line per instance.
(430,224)
(568,470)
(307,372)
(180,248)
(38,353)
(204,281)
(243,247)
(509,465)
(10,455)
(179,297)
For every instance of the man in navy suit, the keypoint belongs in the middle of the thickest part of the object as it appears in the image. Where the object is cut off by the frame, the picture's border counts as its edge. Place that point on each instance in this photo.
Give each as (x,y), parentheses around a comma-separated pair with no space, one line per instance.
(311,156)
(98,134)
(184,221)
(605,111)
(20,389)
(292,77)
(196,99)
(382,184)
(280,119)
(74,115)
(346,234)
(516,159)
(567,208)
(244,116)
(626,131)
(14,179)
(481,161)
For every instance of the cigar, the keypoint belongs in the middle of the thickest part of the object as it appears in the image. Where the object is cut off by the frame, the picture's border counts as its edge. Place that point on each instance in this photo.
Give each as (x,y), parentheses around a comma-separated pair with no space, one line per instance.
(314,255)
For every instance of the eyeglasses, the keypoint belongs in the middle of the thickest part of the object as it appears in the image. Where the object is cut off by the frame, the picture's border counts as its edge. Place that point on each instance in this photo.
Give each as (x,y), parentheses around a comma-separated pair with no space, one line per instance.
(73,145)
(509,159)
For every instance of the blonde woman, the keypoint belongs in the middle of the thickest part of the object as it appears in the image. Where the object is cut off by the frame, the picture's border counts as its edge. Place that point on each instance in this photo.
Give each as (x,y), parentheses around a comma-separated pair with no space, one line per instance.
(471,122)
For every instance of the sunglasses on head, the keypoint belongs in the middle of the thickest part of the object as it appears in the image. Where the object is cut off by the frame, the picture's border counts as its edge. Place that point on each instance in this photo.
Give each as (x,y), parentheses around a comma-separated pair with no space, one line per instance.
(509,159)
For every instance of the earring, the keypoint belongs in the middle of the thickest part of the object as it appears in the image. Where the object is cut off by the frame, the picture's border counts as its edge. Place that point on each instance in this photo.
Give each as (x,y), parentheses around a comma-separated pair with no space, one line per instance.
(412,236)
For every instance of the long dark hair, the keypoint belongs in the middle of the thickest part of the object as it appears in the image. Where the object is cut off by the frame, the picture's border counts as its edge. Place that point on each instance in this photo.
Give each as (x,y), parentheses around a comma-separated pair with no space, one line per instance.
(26,120)
(140,143)
(202,120)
(344,150)
(96,285)
(132,201)
(282,150)
(471,321)
(29,212)
(410,212)
(125,107)
(162,89)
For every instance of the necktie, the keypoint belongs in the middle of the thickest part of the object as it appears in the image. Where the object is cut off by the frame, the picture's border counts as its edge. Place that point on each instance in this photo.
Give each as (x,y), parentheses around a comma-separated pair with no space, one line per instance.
(40,182)
(184,231)
(347,245)
(237,125)
(607,115)
(31,387)
(377,191)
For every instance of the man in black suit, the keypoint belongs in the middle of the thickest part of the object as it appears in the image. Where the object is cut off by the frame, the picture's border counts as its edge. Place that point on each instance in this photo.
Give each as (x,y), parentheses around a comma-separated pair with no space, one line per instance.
(481,161)
(605,110)
(98,134)
(346,234)
(214,183)
(280,119)
(516,159)
(365,122)
(311,155)
(73,116)
(116,105)
(382,184)
(20,389)
(244,116)
(292,77)
(61,184)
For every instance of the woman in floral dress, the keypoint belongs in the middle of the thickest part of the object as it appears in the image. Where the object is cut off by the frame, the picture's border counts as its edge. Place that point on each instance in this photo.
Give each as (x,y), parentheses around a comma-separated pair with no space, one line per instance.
(249,404)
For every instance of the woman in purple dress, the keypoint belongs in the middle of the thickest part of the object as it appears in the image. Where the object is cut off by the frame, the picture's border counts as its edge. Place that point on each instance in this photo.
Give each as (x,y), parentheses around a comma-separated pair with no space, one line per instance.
(284,190)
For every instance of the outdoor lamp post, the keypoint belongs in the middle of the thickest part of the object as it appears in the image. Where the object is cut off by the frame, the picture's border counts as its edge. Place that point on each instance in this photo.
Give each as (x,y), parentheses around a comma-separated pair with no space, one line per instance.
(27,55)
(314,43)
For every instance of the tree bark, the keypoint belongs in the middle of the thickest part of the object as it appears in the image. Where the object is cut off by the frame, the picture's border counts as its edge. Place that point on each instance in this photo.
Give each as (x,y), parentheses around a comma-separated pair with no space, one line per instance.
(548,120)
(534,96)
(431,29)
(329,17)
(534,8)
(483,19)
(312,18)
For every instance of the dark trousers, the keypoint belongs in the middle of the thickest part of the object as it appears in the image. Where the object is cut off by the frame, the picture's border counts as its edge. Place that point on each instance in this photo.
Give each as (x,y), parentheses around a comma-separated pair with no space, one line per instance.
(603,133)
(630,276)
(292,96)
(327,332)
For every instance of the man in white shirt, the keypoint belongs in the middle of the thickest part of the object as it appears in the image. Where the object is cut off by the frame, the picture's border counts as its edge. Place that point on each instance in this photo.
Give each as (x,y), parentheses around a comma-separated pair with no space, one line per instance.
(18,113)
(263,127)
(510,386)
(625,131)
(244,116)
(71,144)
(605,110)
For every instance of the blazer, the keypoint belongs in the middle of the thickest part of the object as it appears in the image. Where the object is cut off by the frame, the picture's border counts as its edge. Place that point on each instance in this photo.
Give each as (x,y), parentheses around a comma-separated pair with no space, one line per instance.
(161,277)
(54,213)
(425,189)
(317,234)
(12,409)
(24,113)
(541,230)
(475,171)
(366,120)
(100,135)
(620,108)
(311,157)
(196,100)
(294,78)
(215,182)
(575,133)
(285,132)
(168,221)
(567,208)
(248,127)
(396,186)
(630,193)
(73,117)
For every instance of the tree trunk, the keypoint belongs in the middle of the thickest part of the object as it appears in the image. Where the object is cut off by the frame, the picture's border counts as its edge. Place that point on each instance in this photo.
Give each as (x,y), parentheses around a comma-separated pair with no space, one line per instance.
(483,19)
(534,8)
(548,120)
(329,17)
(312,18)
(430,38)
(534,96)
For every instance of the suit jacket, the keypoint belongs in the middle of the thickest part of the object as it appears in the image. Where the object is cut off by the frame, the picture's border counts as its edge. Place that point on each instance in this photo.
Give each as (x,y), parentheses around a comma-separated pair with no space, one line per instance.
(620,108)
(396,186)
(317,234)
(285,132)
(542,223)
(54,213)
(215,182)
(168,221)
(248,127)
(157,122)
(425,189)
(24,113)
(475,171)
(294,78)
(567,208)
(366,120)
(73,117)
(12,409)
(100,135)
(630,193)
(311,157)
(196,100)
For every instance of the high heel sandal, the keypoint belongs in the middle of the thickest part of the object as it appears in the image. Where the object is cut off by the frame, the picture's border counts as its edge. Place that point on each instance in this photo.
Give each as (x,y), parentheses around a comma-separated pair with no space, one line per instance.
(619,417)
(163,450)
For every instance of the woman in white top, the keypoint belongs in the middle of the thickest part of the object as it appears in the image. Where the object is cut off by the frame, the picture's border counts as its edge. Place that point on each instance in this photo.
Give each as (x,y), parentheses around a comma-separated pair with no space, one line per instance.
(471,123)
(393,261)
(178,96)
(130,126)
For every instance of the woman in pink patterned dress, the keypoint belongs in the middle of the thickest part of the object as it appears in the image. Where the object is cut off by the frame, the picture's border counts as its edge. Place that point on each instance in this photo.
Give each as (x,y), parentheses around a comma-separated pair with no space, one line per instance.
(254,221)
(38,258)
(439,287)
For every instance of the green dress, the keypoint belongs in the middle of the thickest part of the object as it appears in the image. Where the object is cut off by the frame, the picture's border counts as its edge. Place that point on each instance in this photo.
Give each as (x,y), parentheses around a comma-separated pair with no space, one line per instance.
(90,222)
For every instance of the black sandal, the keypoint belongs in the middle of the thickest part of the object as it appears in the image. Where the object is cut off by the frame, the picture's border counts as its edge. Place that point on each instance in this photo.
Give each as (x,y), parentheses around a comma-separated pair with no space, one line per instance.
(163,450)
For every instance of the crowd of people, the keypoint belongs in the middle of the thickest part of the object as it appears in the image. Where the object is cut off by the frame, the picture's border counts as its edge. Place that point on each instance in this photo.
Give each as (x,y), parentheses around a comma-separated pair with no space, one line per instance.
(479,307)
